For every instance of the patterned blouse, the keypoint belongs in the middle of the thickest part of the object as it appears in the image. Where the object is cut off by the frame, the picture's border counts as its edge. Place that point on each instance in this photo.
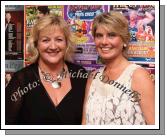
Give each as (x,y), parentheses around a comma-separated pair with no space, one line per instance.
(114,102)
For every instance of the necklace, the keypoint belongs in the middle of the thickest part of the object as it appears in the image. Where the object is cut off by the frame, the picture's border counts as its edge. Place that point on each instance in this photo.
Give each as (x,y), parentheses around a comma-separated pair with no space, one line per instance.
(56,83)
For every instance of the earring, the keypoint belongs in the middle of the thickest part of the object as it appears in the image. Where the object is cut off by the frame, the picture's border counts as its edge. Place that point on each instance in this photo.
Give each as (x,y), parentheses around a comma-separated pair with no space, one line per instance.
(124,45)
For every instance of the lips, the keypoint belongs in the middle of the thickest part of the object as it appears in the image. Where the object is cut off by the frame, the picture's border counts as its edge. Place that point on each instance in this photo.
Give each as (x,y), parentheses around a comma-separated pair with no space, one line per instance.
(105,49)
(53,53)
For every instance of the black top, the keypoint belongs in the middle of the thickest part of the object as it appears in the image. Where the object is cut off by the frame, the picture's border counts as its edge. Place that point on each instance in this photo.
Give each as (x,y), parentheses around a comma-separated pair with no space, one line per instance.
(27,101)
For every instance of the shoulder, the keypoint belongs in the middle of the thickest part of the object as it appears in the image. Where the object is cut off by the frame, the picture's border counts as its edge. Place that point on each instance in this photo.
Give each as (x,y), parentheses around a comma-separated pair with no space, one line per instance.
(27,71)
(21,78)
(141,81)
(140,74)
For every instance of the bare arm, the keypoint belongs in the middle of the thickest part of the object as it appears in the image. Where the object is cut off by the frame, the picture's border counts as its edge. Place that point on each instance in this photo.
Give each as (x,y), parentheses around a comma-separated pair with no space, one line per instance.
(142,83)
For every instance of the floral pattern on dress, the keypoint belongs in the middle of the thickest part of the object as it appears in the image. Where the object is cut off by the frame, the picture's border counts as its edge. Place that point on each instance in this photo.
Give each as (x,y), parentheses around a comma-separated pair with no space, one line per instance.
(108,105)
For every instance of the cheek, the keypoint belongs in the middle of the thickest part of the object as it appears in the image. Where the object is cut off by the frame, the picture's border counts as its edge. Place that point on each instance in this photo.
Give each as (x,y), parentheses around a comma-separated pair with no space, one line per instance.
(40,48)
(63,48)
(97,43)
(41,45)
(62,45)
(117,42)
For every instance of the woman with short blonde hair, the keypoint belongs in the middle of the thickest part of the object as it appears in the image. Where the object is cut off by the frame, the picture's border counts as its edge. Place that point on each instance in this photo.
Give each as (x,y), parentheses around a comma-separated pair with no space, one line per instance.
(49,22)
(45,93)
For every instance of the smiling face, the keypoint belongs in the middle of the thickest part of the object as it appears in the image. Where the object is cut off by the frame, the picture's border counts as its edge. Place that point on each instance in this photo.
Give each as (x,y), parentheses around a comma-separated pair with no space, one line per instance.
(51,45)
(110,32)
(108,44)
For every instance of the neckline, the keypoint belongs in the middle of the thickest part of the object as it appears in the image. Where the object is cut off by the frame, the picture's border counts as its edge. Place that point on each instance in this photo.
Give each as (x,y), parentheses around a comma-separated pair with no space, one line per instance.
(122,73)
(46,92)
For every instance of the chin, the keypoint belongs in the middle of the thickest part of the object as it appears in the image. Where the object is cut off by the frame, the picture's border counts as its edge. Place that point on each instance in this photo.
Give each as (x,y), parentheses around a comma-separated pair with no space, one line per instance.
(52,61)
(107,57)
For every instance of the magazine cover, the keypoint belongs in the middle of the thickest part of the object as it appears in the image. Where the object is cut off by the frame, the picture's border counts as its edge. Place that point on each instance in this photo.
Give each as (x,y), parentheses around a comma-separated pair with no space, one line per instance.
(14,40)
(14,32)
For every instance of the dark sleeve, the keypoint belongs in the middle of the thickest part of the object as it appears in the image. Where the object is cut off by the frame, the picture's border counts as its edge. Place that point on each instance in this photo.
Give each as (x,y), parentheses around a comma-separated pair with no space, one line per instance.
(13,101)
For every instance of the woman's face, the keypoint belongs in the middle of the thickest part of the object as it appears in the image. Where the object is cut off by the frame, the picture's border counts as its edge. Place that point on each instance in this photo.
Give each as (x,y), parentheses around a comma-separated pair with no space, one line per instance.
(51,45)
(108,44)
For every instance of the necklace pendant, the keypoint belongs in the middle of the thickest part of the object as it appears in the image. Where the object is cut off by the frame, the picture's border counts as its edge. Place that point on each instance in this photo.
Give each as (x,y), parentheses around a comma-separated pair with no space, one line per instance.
(56,84)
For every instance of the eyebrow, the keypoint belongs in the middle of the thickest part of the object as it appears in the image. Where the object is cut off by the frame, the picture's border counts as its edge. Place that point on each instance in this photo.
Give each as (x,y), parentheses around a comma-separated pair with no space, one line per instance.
(98,33)
(109,33)
(112,33)
(49,37)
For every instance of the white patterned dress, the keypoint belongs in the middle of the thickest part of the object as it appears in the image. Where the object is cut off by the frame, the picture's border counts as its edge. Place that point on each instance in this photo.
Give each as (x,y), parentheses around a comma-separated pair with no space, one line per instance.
(114,102)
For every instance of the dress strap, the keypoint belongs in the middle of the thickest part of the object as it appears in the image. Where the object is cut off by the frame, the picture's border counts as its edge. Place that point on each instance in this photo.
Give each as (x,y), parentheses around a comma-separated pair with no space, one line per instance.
(126,75)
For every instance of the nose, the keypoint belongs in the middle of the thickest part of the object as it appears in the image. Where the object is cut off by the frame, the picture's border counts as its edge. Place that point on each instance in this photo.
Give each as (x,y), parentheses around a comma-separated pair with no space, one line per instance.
(53,45)
(105,40)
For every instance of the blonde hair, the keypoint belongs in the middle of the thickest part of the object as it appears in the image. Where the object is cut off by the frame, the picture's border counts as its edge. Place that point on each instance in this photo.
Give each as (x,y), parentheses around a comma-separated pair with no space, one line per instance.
(114,22)
(41,24)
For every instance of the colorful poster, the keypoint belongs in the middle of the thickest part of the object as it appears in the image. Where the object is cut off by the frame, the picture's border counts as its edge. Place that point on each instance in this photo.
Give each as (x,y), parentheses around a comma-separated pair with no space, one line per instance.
(14,32)
(87,56)
(141,27)
(80,19)
(146,50)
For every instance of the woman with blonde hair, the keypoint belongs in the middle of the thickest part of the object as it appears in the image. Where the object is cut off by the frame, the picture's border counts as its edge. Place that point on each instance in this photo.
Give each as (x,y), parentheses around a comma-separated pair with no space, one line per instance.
(120,93)
(47,91)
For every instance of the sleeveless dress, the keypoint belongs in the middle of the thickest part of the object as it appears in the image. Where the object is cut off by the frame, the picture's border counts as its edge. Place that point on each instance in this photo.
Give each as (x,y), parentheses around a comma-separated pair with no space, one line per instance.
(114,102)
